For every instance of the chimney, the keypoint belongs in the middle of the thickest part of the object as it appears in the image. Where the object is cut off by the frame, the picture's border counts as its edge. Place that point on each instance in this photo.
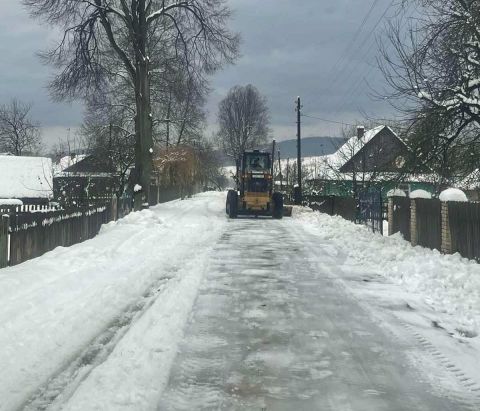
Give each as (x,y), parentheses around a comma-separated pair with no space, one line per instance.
(360,132)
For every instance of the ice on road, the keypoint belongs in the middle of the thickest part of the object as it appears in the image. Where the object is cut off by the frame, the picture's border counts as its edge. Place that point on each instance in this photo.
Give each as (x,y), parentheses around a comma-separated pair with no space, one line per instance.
(274,329)
(179,308)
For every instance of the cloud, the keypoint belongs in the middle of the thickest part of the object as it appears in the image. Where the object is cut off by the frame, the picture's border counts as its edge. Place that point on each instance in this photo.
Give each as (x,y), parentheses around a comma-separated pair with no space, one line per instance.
(289,48)
(21,73)
(298,48)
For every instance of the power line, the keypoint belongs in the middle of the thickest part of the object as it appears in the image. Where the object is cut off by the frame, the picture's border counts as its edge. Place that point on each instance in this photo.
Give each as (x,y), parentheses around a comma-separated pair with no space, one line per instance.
(345,53)
(327,121)
(366,71)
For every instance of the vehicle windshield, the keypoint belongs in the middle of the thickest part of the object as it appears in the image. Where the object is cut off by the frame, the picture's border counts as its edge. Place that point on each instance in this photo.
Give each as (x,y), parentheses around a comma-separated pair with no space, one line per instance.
(256,162)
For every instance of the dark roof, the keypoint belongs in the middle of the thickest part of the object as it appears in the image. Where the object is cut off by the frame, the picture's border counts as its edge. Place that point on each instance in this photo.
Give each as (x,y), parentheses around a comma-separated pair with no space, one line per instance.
(92,164)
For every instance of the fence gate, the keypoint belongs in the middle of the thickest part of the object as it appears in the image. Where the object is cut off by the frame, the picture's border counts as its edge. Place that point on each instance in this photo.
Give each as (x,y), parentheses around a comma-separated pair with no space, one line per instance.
(370,210)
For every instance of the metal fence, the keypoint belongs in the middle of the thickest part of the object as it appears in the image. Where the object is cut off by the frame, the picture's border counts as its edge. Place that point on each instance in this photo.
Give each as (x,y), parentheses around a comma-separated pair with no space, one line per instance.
(429,223)
(370,210)
(464,221)
(401,217)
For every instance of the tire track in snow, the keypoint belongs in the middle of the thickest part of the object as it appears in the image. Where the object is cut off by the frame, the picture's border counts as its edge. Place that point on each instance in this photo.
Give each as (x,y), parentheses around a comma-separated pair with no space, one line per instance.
(63,384)
(472,388)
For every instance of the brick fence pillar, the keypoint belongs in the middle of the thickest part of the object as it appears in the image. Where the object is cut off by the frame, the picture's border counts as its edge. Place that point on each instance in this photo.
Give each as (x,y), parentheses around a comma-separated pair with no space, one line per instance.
(446,234)
(413,222)
(390,216)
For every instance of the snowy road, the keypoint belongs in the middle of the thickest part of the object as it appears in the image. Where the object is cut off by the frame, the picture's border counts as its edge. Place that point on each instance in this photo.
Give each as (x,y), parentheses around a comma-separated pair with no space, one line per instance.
(178,308)
(274,329)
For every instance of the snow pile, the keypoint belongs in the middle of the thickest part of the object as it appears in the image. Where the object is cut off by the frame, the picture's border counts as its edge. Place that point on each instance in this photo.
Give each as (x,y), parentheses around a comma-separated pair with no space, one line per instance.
(420,194)
(59,304)
(26,177)
(448,283)
(137,188)
(396,192)
(453,194)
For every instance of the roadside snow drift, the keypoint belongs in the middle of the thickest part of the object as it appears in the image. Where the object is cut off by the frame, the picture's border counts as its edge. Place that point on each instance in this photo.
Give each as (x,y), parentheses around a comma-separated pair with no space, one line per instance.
(448,283)
(56,306)
(419,295)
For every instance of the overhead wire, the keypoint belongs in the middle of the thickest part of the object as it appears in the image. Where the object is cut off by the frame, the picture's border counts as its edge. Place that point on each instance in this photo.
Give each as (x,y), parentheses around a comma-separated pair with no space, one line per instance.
(359,79)
(333,71)
(326,120)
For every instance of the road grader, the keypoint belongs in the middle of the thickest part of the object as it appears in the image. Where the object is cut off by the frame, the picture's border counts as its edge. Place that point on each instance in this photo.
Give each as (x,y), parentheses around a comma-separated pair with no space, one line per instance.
(255,193)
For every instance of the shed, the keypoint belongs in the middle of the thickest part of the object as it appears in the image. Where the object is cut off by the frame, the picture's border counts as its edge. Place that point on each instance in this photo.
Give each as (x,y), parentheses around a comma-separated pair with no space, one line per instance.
(29,179)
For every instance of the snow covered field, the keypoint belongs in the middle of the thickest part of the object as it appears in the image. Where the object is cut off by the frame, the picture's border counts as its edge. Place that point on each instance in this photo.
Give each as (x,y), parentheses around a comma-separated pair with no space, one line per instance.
(98,326)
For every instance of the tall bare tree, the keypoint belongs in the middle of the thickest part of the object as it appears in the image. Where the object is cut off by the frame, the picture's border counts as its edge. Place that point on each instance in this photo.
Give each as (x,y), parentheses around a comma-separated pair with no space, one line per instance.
(243,119)
(432,63)
(96,31)
(18,132)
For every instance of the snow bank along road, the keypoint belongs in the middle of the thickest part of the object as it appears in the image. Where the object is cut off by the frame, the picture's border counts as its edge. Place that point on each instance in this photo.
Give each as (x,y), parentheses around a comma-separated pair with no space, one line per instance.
(178,308)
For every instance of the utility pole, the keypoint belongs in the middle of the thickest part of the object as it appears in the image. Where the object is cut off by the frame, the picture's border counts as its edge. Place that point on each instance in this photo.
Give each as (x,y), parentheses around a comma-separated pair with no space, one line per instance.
(298,190)
(288,171)
(280,171)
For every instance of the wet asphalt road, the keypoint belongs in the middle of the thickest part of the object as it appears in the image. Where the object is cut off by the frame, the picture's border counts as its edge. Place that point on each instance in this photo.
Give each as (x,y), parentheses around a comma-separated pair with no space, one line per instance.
(274,329)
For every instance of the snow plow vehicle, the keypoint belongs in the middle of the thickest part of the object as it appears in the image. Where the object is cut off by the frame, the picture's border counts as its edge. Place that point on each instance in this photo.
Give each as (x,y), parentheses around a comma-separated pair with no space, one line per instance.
(254,193)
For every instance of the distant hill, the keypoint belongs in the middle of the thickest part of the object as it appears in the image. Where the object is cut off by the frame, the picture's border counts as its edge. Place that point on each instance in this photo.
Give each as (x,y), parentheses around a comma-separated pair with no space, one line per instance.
(311,147)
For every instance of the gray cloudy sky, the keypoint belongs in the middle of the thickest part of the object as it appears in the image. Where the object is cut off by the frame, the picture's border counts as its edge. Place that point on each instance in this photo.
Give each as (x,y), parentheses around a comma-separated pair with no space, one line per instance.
(289,48)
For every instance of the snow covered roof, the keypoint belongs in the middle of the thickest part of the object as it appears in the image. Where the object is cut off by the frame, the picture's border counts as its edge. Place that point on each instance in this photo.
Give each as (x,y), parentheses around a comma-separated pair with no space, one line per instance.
(353,145)
(25,177)
(68,161)
(470,182)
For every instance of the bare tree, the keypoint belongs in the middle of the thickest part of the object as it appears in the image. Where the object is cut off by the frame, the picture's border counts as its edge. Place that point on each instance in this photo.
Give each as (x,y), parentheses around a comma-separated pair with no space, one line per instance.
(18,132)
(243,118)
(432,64)
(109,132)
(127,31)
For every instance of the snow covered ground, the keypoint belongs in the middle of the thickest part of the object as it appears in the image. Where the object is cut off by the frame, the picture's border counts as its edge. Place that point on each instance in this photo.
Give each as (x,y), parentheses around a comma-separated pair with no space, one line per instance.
(177,307)
(64,313)
(412,290)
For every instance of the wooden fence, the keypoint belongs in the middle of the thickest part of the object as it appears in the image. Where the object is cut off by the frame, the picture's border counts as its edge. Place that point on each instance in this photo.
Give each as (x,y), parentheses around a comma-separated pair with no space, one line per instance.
(401,217)
(4,222)
(29,231)
(333,205)
(449,227)
(33,234)
(429,223)
(464,224)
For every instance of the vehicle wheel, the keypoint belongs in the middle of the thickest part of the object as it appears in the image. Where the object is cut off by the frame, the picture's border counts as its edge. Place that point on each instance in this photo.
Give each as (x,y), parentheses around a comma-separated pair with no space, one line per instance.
(227,203)
(232,203)
(277,200)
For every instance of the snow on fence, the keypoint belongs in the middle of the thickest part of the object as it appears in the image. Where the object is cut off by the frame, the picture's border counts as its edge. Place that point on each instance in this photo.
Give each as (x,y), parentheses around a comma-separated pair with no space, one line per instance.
(33,234)
(25,208)
(333,205)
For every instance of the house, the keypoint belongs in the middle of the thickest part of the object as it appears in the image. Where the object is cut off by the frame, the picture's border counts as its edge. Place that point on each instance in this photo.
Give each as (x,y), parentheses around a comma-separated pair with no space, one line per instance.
(377,150)
(89,179)
(373,158)
(29,179)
